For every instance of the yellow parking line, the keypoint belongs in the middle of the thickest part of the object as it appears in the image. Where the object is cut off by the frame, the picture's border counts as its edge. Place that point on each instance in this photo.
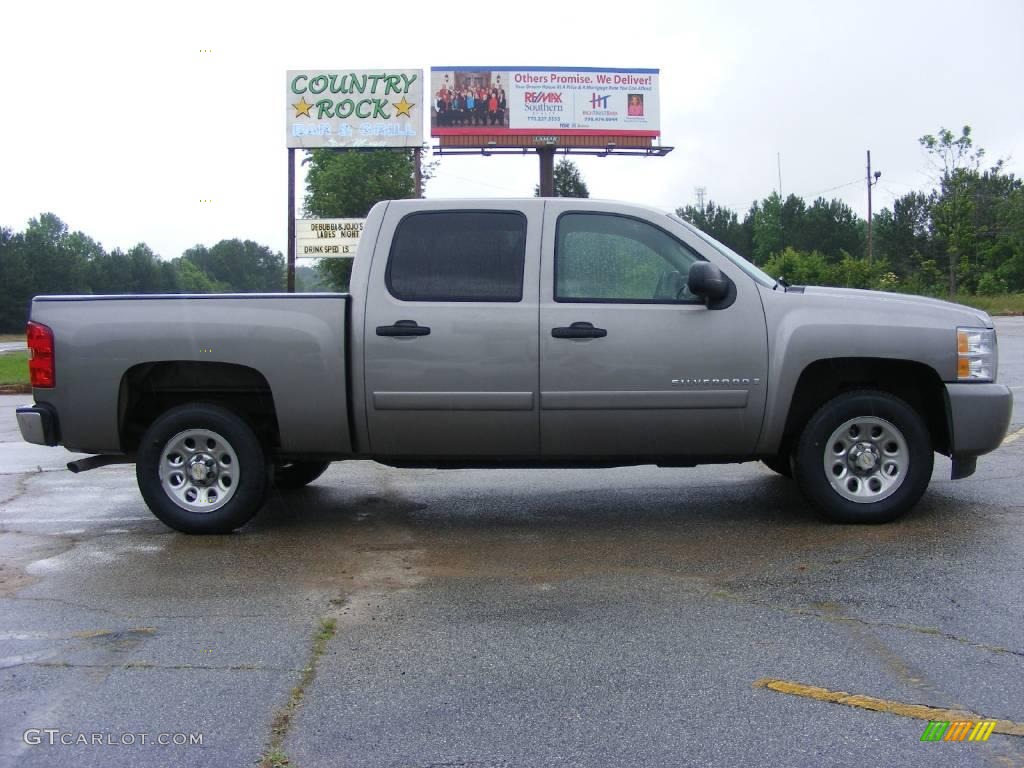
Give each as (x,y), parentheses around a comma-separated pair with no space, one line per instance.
(918,711)
(1013,436)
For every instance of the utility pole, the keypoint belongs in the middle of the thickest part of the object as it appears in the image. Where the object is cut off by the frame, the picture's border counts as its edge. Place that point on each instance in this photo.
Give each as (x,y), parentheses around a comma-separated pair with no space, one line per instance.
(782,202)
(700,192)
(290,281)
(871,182)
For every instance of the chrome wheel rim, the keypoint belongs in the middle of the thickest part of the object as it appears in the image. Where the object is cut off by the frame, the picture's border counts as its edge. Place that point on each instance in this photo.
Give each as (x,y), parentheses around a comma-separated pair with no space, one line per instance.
(866,459)
(199,470)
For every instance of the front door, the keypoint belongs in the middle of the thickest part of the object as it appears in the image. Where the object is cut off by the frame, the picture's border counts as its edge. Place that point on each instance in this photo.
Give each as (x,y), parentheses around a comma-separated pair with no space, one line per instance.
(450,336)
(632,364)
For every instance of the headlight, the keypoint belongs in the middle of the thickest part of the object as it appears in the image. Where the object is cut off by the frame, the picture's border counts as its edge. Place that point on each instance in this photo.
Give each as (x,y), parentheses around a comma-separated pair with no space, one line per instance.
(977,356)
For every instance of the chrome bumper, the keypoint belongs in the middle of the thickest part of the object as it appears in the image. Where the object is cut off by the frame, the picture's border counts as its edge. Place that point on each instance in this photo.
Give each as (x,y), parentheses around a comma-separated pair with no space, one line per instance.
(38,424)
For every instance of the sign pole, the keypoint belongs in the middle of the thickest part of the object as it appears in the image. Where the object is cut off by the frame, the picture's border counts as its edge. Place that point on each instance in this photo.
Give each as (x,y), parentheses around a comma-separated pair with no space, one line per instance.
(417,157)
(291,220)
(547,171)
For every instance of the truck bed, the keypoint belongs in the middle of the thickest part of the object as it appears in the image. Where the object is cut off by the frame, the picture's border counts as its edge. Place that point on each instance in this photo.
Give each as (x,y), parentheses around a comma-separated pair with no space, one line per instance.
(292,347)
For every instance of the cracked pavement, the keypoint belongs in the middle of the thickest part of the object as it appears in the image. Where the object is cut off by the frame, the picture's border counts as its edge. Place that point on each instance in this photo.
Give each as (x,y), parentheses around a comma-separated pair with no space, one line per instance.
(510,618)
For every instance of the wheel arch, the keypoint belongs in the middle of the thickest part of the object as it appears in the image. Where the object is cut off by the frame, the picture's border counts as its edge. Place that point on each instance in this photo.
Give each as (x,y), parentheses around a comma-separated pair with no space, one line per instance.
(152,388)
(916,383)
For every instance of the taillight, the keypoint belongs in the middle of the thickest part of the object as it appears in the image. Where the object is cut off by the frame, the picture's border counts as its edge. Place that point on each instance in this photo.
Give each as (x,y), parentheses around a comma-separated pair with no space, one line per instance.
(40,355)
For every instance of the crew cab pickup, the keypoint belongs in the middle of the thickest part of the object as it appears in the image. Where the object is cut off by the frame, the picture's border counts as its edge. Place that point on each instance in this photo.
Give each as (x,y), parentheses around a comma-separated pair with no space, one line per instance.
(537,332)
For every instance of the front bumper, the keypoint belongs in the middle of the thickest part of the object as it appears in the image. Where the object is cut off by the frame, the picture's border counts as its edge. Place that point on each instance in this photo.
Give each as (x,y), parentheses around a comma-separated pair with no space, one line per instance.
(38,424)
(978,417)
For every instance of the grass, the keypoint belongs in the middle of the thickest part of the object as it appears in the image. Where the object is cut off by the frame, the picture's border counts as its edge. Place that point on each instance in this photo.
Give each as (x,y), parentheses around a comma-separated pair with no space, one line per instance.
(14,369)
(275,756)
(12,336)
(1003,304)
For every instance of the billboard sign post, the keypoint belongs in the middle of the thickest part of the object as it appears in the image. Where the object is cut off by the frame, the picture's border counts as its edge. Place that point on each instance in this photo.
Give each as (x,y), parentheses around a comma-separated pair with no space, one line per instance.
(348,109)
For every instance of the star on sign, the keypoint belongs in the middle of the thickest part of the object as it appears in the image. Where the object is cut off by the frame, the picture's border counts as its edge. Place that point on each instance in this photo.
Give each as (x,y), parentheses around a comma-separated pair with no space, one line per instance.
(402,108)
(302,108)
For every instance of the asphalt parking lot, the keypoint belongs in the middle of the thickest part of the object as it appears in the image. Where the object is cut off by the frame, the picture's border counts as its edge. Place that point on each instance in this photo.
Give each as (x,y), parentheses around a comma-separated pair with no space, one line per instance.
(420,618)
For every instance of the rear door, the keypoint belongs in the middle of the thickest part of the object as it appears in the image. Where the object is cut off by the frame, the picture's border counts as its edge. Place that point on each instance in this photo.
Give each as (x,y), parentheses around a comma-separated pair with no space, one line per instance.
(632,364)
(450,336)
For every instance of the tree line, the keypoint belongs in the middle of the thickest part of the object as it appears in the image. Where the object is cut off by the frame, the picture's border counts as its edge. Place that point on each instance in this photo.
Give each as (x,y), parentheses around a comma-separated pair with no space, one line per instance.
(48,258)
(964,236)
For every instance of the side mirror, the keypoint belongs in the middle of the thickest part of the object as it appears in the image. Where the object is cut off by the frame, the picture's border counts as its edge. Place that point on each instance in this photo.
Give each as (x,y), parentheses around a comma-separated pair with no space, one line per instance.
(707,281)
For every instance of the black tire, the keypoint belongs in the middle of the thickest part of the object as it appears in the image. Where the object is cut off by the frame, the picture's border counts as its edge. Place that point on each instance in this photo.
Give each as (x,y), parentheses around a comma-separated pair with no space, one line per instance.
(237,485)
(297,474)
(780,465)
(902,454)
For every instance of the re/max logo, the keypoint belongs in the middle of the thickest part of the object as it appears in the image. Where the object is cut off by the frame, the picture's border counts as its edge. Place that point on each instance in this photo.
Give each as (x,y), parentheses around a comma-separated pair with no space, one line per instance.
(542,97)
(958,730)
(598,102)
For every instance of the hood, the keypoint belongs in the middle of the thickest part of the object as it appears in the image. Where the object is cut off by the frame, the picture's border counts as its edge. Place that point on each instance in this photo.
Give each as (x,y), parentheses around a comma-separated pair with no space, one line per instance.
(893,301)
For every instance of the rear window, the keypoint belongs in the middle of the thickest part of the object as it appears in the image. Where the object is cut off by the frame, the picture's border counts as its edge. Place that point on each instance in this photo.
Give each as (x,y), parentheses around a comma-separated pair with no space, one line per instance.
(458,256)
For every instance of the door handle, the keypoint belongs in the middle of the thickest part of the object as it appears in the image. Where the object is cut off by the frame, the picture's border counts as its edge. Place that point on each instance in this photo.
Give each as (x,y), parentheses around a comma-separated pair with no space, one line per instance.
(579,331)
(403,328)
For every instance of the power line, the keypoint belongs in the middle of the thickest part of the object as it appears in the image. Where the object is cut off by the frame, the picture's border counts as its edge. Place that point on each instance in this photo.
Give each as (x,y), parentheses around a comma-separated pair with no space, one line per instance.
(858,180)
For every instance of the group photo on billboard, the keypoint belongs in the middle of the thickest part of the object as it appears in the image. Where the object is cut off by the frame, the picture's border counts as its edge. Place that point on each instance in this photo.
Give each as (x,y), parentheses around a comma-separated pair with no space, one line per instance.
(468,99)
(544,100)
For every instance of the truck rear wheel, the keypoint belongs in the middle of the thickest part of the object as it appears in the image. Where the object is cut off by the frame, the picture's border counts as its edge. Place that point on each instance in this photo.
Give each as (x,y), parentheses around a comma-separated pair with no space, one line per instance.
(296,474)
(201,469)
(864,457)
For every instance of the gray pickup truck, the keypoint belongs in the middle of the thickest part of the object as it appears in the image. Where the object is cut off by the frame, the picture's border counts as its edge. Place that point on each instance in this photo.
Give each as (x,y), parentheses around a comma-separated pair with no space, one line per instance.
(538,332)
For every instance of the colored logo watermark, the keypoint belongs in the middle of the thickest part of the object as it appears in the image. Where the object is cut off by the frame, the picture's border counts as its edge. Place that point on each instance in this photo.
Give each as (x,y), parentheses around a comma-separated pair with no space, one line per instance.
(958,730)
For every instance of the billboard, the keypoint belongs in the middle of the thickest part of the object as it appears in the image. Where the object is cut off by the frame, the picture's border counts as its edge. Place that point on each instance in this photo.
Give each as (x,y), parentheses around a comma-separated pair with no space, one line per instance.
(354,108)
(322,238)
(549,101)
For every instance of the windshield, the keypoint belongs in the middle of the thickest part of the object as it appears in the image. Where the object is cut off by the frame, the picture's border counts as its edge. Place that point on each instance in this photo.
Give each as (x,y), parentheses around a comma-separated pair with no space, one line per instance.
(747,266)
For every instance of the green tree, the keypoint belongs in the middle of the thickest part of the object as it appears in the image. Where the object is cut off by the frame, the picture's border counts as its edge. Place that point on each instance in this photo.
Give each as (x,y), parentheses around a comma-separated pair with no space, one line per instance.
(827,226)
(721,223)
(903,235)
(999,222)
(568,180)
(189,278)
(952,208)
(799,268)
(346,184)
(768,238)
(15,281)
(1010,239)
(241,265)
(851,272)
(45,258)
(55,266)
(110,273)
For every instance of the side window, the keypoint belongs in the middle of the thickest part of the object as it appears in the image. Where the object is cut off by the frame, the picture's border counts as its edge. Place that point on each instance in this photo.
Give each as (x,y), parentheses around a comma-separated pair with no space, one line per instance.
(603,257)
(458,256)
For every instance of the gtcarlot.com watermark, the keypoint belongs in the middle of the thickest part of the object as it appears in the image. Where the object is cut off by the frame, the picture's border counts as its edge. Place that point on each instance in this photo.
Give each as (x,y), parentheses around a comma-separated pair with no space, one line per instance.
(55,736)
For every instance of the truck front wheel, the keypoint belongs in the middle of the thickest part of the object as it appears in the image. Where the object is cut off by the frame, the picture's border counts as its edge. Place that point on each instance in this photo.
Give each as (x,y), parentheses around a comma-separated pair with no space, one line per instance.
(201,469)
(864,457)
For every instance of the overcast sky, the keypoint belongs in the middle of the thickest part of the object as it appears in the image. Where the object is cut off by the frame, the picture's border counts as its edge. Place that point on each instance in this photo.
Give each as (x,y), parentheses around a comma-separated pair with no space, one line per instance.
(116,122)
